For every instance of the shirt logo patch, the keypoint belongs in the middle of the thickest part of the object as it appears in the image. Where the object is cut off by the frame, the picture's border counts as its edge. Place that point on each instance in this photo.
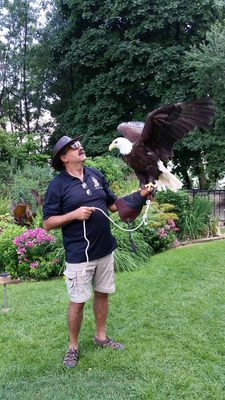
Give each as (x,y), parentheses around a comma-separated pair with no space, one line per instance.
(95,181)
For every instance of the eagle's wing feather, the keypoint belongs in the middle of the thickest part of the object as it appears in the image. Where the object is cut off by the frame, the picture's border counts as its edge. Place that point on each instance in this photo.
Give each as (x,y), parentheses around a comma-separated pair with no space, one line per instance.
(167,124)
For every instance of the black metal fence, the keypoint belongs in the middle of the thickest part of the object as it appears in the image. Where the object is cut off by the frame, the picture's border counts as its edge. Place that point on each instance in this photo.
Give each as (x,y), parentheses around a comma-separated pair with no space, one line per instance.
(217,197)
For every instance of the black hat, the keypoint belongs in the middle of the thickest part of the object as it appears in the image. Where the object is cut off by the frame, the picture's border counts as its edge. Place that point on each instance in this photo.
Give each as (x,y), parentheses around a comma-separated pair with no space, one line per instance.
(58,151)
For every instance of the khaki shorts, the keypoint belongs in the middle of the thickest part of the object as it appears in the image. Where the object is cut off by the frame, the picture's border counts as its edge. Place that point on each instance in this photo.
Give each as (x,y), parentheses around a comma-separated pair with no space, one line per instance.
(82,277)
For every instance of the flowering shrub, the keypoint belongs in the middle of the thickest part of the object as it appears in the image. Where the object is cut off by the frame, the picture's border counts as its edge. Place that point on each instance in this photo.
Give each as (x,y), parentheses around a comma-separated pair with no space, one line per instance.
(36,258)
(167,236)
(8,259)
(162,238)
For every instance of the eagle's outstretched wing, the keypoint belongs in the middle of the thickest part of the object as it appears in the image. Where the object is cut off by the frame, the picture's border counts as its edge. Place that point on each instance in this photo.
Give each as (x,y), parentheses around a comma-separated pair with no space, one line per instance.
(167,124)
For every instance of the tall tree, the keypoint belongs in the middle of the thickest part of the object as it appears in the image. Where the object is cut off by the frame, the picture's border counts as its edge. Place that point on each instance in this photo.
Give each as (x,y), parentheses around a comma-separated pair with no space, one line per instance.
(114,61)
(205,67)
(23,61)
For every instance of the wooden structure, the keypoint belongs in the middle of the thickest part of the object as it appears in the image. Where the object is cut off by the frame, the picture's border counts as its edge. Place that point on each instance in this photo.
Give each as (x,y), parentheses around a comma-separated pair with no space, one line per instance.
(5,279)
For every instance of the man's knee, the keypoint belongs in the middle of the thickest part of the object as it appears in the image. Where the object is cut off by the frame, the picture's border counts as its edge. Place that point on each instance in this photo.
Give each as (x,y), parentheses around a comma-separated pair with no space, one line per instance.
(99,295)
(75,308)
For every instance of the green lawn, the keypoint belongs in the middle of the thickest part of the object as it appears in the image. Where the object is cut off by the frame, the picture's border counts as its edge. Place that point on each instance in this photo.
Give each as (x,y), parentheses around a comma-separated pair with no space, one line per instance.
(170,315)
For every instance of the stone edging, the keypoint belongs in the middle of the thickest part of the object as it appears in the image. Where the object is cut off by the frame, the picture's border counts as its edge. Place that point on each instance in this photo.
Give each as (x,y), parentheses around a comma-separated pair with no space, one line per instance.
(203,240)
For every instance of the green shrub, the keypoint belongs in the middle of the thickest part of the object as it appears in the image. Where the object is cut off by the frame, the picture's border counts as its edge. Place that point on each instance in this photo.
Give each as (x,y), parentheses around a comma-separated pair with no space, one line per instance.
(5,221)
(110,167)
(180,200)
(5,170)
(8,259)
(30,177)
(4,205)
(193,214)
(159,214)
(195,221)
(125,258)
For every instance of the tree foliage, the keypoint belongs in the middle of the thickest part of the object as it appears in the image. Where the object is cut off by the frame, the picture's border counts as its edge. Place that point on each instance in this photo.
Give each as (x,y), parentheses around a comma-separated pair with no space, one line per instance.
(205,66)
(23,79)
(99,63)
(116,61)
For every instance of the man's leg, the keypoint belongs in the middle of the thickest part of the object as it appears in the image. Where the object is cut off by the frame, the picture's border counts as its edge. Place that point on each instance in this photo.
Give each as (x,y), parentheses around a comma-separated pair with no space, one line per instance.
(75,316)
(100,306)
(103,282)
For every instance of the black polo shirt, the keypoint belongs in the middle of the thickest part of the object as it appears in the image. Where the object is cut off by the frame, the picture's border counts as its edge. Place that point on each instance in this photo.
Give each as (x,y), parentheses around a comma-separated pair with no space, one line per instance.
(64,194)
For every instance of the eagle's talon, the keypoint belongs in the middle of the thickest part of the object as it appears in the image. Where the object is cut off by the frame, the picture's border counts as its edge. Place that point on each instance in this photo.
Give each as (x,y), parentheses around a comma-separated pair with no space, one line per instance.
(150,185)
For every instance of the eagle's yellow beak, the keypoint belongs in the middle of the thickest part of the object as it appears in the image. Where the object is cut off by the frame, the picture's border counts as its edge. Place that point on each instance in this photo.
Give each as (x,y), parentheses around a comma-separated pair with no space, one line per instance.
(112,146)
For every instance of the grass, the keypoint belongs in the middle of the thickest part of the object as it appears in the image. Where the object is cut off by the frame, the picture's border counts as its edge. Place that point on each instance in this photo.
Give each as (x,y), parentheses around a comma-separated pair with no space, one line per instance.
(170,315)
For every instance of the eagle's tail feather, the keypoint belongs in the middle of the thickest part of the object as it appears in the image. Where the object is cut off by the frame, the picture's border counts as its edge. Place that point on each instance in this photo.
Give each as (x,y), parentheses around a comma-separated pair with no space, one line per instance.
(167,180)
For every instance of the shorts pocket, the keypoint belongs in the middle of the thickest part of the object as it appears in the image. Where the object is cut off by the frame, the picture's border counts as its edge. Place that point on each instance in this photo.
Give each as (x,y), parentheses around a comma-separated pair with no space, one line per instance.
(71,278)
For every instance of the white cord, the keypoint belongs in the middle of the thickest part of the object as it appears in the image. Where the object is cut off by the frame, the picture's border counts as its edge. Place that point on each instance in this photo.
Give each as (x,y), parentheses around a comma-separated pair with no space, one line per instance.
(144,221)
(86,249)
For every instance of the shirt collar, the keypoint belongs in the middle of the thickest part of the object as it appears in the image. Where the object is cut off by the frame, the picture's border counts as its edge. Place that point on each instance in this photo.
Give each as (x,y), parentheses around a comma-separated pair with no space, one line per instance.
(67,176)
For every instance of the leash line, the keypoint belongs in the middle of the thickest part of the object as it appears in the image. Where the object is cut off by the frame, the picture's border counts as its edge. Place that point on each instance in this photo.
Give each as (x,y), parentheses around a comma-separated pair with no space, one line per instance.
(144,221)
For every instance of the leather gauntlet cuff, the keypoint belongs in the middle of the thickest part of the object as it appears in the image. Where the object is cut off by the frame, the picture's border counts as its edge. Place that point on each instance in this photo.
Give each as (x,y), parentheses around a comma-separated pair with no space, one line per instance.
(130,206)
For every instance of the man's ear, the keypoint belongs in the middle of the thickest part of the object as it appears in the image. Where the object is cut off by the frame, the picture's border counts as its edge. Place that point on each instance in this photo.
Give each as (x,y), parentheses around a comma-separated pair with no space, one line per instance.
(63,158)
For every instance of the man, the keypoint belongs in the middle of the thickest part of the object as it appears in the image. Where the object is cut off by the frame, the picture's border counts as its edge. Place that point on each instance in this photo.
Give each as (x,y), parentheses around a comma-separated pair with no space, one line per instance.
(72,203)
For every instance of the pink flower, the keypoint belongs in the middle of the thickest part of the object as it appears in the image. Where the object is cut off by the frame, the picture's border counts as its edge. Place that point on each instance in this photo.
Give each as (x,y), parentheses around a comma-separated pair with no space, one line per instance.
(171,223)
(34,264)
(29,243)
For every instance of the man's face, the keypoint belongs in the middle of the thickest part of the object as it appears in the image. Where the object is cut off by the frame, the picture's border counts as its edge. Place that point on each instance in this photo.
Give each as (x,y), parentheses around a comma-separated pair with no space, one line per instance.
(73,154)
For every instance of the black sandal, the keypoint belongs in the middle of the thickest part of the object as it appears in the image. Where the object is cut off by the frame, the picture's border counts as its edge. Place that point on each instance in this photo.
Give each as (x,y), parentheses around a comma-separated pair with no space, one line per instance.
(108,342)
(71,358)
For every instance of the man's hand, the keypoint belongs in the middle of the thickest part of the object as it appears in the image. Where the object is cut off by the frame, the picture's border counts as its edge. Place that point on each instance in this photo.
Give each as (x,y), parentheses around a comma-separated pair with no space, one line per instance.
(57,221)
(83,213)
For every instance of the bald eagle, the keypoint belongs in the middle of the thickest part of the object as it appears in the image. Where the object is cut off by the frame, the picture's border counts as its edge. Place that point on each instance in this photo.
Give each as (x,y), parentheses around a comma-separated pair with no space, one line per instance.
(147,147)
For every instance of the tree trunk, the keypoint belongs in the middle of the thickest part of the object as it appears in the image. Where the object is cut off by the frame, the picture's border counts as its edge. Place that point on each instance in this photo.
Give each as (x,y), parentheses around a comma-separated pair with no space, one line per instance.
(202,182)
(27,113)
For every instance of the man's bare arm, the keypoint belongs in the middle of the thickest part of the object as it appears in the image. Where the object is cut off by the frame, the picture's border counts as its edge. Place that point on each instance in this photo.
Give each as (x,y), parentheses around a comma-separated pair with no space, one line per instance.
(57,221)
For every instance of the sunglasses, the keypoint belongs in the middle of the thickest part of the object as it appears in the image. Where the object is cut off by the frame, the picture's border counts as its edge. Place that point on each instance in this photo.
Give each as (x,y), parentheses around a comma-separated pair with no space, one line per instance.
(75,145)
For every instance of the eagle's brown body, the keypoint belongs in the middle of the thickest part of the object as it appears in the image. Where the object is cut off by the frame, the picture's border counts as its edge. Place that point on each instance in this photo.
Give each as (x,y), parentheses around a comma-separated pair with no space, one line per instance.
(144,162)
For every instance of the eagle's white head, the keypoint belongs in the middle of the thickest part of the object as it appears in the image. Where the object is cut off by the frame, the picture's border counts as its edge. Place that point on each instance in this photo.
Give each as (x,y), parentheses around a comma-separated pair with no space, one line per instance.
(122,144)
